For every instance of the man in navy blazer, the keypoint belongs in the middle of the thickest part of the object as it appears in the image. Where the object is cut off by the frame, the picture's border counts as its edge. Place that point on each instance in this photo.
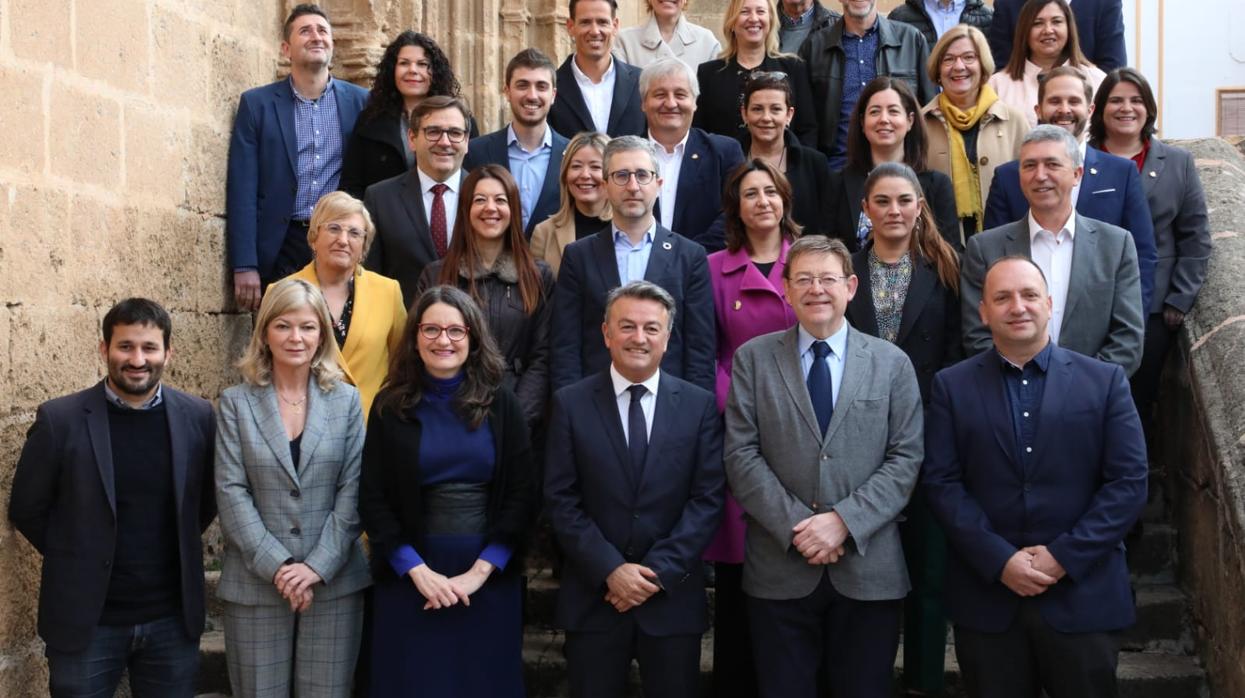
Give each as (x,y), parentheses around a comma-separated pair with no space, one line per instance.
(1035,465)
(528,147)
(1099,27)
(635,489)
(284,154)
(1110,188)
(696,164)
(599,93)
(633,246)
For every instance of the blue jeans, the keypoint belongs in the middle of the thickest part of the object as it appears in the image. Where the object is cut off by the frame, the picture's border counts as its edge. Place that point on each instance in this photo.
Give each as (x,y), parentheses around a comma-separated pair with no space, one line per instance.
(162,660)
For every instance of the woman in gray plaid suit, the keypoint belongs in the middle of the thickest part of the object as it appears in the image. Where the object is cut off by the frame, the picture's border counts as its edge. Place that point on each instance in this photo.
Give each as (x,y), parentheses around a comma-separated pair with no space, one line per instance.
(288,444)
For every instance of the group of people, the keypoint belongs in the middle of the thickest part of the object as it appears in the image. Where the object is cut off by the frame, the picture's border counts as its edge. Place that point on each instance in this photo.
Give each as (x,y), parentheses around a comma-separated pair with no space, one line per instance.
(872,329)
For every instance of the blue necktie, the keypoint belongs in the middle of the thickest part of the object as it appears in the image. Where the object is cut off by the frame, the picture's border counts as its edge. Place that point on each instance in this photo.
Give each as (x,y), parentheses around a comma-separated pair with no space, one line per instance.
(637,431)
(820,386)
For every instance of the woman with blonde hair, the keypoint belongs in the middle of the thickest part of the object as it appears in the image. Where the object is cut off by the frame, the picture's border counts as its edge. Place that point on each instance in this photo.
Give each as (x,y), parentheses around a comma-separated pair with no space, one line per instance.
(288,445)
(667,34)
(585,209)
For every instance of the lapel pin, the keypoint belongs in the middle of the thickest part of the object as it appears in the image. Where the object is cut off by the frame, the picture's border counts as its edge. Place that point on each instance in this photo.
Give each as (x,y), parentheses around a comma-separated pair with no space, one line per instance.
(738,305)
(1093,170)
(666,245)
(695,156)
(1153,173)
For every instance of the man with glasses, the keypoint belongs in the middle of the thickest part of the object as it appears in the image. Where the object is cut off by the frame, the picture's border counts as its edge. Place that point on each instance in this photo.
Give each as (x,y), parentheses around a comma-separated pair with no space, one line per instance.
(632,247)
(414,212)
(823,446)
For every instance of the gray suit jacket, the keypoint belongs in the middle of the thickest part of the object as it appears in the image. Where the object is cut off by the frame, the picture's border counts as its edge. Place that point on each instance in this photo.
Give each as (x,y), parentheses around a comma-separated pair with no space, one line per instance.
(1181,229)
(1102,318)
(781,469)
(271,511)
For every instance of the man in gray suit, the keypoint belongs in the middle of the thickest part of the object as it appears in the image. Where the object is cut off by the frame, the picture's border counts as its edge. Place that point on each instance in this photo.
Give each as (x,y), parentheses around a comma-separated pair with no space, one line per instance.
(1091,266)
(823,445)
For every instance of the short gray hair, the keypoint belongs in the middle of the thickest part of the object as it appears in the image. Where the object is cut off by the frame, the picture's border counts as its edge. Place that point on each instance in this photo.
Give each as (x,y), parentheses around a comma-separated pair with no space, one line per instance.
(1048,133)
(624,144)
(643,291)
(664,68)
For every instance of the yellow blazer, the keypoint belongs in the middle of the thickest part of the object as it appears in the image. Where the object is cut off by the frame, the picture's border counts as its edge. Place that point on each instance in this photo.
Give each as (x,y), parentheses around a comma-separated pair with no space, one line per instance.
(549,240)
(375,330)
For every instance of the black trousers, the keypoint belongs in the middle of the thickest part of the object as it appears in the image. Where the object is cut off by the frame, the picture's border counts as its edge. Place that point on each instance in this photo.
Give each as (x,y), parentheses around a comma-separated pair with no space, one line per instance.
(295,253)
(1031,657)
(597,664)
(1145,382)
(850,644)
(734,675)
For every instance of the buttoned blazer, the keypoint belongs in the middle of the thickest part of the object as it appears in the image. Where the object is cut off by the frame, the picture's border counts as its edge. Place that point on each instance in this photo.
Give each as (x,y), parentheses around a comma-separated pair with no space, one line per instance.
(272,510)
(1103,314)
(569,114)
(604,516)
(782,469)
(1111,192)
(1099,28)
(64,502)
(691,43)
(491,148)
(1079,495)
(1181,230)
(707,163)
(847,189)
(261,180)
(590,271)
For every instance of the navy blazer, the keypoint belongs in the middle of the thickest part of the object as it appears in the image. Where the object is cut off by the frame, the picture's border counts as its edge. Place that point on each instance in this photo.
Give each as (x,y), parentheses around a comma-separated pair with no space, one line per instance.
(1099,27)
(260,184)
(1111,192)
(569,114)
(492,149)
(707,162)
(603,517)
(846,189)
(589,272)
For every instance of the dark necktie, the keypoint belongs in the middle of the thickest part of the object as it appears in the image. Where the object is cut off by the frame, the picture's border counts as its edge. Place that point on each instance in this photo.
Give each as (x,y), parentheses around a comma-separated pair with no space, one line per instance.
(637,431)
(436,222)
(820,386)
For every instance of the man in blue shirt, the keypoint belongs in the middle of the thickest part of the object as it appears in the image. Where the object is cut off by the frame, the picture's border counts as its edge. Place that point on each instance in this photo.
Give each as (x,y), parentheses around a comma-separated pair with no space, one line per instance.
(934,17)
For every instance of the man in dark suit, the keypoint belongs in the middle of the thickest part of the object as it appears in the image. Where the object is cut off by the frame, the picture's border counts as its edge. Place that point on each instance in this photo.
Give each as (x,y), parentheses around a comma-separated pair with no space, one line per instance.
(599,93)
(633,246)
(284,154)
(1099,27)
(415,212)
(1110,190)
(696,164)
(114,489)
(527,147)
(635,490)
(1035,465)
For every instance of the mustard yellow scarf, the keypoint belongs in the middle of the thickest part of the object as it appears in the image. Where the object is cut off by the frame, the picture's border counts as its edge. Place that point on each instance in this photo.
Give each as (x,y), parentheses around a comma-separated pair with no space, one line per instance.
(964,175)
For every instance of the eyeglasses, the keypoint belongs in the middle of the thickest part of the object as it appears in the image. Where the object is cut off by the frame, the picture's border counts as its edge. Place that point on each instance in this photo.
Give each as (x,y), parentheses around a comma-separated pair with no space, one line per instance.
(642,177)
(969,59)
(434,133)
(431,332)
(336,229)
(829,281)
(766,75)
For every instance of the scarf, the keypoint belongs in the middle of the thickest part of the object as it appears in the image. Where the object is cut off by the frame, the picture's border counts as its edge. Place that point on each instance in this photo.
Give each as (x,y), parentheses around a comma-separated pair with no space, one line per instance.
(964,175)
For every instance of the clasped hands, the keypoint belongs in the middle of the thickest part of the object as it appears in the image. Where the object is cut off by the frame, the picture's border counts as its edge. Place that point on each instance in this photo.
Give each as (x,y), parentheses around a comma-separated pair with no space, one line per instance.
(1031,571)
(294,582)
(630,585)
(443,592)
(820,538)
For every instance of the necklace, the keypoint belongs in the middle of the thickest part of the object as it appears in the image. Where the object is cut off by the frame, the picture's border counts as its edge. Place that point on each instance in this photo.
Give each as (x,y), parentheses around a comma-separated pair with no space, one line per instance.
(780,165)
(296,405)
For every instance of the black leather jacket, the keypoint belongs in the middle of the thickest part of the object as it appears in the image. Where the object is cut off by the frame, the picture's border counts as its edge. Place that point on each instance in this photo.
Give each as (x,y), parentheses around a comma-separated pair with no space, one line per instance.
(976,14)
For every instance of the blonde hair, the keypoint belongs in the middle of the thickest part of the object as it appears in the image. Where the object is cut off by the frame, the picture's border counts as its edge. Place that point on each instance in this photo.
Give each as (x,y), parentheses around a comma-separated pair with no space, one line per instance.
(586,139)
(985,61)
(730,47)
(280,298)
(335,206)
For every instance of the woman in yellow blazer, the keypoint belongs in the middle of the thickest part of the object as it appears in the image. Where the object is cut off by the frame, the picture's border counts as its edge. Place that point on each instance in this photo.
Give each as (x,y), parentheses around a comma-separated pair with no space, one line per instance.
(584,210)
(366,308)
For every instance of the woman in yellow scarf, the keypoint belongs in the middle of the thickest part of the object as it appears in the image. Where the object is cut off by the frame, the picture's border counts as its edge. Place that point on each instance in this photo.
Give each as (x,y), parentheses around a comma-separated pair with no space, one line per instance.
(970,131)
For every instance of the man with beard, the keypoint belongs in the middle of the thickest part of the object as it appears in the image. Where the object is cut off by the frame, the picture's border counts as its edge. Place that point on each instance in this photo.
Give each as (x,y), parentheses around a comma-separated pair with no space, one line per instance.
(1110,190)
(114,488)
(528,147)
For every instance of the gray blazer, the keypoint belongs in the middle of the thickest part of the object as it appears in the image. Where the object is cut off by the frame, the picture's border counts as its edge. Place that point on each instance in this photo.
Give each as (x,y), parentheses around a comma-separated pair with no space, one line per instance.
(1102,317)
(271,511)
(1181,229)
(781,469)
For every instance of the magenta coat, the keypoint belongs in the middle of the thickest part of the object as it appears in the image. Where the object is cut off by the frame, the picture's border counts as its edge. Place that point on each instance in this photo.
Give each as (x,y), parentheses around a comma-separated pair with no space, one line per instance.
(746,305)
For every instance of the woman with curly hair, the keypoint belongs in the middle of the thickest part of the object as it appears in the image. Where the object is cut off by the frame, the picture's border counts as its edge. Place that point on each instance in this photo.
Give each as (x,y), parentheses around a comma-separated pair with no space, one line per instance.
(412,68)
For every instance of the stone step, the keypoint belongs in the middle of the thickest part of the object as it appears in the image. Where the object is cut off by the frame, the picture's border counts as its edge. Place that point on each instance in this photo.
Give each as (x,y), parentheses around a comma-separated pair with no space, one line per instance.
(1162,621)
(1152,555)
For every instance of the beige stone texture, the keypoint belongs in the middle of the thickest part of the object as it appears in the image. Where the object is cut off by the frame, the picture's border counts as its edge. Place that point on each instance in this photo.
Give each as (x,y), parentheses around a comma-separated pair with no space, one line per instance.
(180,63)
(21,138)
(112,43)
(205,166)
(53,350)
(39,31)
(86,147)
(156,149)
(34,250)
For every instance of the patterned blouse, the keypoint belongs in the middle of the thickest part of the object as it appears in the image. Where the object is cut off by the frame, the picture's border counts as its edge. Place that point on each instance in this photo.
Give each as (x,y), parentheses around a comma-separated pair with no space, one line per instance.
(889,283)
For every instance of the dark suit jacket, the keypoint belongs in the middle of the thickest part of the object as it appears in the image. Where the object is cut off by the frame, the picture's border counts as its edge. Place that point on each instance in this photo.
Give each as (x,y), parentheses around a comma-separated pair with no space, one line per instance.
(722,87)
(377,151)
(1083,489)
(603,517)
(491,148)
(929,328)
(1181,231)
(707,161)
(847,189)
(64,502)
(260,183)
(402,246)
(1099,27)
(569,114)
(1111,192)
(589,272)
(809,174)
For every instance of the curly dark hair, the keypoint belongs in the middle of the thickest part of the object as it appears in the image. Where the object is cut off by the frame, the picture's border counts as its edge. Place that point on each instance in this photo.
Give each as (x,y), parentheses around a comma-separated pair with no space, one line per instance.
(385,98)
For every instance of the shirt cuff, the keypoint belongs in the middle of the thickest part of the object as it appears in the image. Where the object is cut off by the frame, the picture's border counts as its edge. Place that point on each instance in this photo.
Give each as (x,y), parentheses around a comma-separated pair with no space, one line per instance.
(404,559)
(497,554)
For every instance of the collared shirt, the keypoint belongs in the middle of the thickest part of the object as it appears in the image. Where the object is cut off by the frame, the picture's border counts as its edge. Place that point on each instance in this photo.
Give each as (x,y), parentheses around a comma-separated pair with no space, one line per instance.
(529,168)
(632,259)
(670,165)
(835,359)
(1052,252)
(153,401)
(1025,385)
(318,140)
(859,67)
(622,395)
(944,18)
(599,96)
(450,197)
(805,17)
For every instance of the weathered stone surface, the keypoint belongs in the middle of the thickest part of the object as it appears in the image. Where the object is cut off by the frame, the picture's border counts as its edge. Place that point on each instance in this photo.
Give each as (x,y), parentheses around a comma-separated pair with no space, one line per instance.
(180,58)
(34,251)
(87,144)
(21,139)
(54,350)
(39,31)
(111,43)
(156,143)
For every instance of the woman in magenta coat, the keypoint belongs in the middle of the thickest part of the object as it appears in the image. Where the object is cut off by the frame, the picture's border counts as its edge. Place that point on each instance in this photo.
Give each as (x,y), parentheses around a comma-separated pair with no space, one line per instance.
(748,301)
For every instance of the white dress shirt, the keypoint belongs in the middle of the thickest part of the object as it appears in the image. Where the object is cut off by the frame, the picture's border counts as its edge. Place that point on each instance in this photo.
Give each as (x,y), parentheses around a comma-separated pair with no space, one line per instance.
(835,359)
(599,96)
(1052,252)
(670,164)
(648,403)
(450,197)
